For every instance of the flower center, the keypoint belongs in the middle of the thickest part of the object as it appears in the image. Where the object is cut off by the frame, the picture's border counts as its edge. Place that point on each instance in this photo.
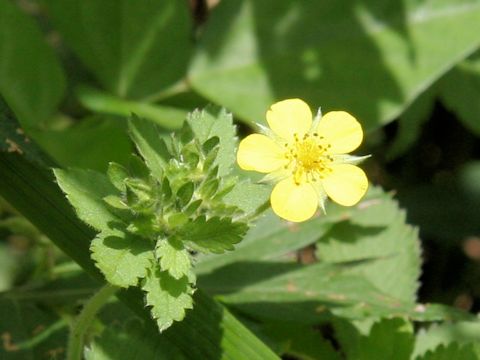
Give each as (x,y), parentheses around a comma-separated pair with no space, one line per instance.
(309,157)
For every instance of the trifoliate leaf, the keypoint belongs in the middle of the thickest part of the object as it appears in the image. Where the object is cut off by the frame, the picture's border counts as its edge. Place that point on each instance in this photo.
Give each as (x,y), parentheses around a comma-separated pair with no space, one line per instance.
(173,257)
(123,258)
(167,296)
(213,235)
(214,121)
(149,144)
(85,189)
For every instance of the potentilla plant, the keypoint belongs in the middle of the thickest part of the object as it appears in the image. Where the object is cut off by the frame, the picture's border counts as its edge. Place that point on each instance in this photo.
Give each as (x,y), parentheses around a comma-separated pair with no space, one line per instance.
(177,197)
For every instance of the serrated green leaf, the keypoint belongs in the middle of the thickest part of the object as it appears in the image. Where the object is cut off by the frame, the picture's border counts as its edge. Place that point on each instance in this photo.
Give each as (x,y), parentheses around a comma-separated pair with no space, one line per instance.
(213,235)
(213,121)
(450,352)
(173,257)
(167,296)
(149,144)
(287,52)
(122,258)
(31,78)
(461,333)
(85,189)
(388,339)
(385,247)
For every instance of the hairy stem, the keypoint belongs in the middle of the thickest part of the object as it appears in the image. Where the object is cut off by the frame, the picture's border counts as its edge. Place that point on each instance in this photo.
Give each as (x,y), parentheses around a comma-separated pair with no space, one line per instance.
(85,319)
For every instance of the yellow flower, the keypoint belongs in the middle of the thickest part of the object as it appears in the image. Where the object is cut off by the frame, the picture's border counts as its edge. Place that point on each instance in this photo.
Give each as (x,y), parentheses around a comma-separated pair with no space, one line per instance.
(307,158)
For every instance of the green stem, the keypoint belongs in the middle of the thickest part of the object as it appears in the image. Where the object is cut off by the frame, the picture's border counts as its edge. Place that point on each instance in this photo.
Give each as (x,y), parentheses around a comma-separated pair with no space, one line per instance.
(85,319)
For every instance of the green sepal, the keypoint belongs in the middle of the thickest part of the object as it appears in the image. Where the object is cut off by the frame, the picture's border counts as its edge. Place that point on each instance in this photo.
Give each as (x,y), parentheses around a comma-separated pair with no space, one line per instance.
(209,188)
(117,175)
(138,168)
(185,193)
(177,220)
(210,144)
(192,207)
(116,202)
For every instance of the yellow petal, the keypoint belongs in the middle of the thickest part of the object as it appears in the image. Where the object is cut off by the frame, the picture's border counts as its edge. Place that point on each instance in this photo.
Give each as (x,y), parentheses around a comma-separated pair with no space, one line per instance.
(260,153)
(346,184)
(294,202)
(341,130)
(288,117)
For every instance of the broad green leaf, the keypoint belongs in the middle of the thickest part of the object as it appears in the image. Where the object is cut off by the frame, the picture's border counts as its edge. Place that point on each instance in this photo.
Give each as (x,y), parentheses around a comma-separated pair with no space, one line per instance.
(91,143)
(122,257)
(31,79)
(388,339)
(461,333)
(174,258)
(213,235)
(166,116)
(133,340)
(168,297)
(377,237)
(129,46)
(297,293)
(451,352)
(213,121)
(209,332)
(307,294)
(149,144)
(85,189)
(330,52)
(460,91)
